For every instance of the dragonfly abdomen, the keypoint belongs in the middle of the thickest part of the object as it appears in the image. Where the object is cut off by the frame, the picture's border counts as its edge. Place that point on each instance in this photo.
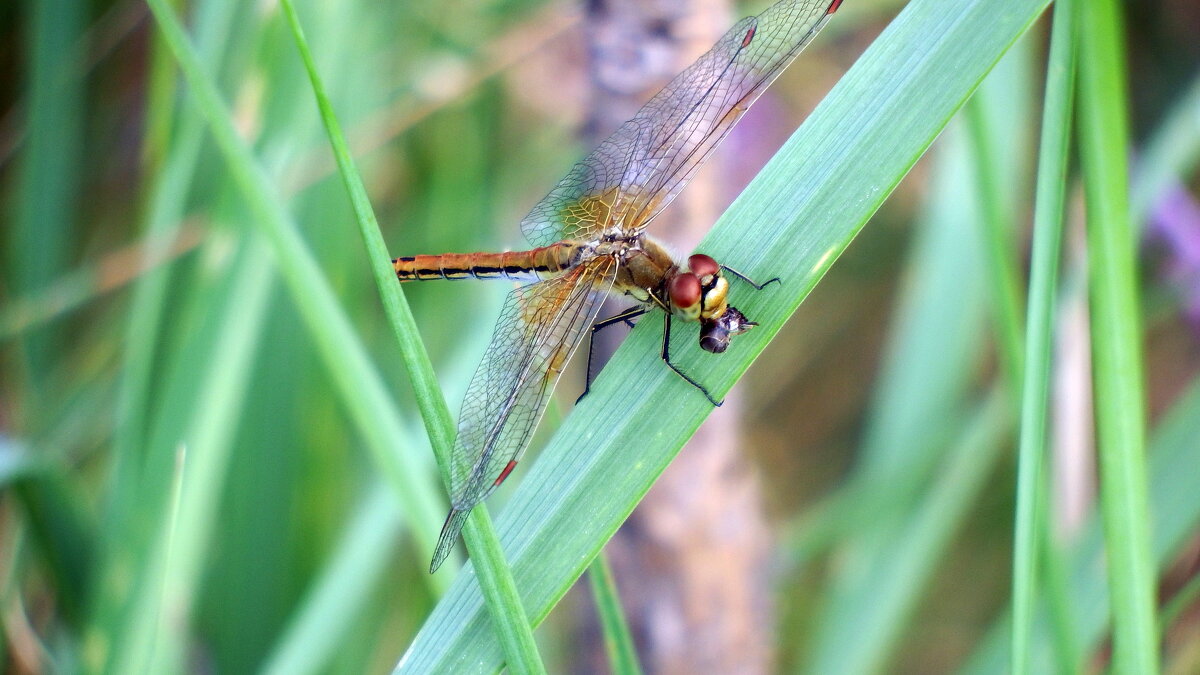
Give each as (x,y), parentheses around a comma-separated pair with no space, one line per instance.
(539,263)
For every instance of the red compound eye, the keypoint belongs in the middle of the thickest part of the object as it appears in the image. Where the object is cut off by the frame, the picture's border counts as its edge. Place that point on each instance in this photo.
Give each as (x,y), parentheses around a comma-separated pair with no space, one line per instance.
(684,290)
(702,265)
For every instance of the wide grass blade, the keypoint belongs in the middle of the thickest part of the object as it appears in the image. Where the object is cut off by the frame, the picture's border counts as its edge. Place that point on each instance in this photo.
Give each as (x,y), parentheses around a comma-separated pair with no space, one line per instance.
(797,216)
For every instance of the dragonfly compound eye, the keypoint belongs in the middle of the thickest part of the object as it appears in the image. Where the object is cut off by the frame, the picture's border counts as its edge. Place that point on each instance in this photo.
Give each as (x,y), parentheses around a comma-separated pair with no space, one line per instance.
(685,293)
(685,290)
(702,265)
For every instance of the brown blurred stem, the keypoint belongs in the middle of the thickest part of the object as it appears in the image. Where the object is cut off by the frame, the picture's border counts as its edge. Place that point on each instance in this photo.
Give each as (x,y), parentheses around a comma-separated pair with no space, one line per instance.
(691,560)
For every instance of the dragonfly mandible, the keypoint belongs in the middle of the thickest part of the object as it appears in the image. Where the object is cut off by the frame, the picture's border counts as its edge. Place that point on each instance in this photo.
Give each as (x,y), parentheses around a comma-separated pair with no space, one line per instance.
(589,240)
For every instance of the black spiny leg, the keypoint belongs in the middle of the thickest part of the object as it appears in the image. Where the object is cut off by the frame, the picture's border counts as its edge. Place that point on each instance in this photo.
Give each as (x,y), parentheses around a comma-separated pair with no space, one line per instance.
(666,357)
(743,277)
(631,313)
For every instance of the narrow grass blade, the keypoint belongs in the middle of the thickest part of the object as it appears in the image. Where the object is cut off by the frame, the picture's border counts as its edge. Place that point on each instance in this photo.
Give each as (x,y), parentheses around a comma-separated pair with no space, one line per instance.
(1116,338)
(360,559)
(915,431)
(151,643)
(358,384)
(511,626)
(618,642)
(503,600)
(149,625)
(1175,514)
(164,212)
(999,241)
(1049,206)
(37,240)
(934,339)
(59,527)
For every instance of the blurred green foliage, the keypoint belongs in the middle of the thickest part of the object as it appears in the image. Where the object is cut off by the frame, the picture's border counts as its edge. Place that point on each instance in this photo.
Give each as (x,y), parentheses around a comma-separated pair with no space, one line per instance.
(185,486)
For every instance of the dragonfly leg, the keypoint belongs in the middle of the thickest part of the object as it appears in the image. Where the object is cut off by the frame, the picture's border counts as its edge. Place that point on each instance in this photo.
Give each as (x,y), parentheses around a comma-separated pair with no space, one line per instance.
(743,277)
(666,357)
(625,316)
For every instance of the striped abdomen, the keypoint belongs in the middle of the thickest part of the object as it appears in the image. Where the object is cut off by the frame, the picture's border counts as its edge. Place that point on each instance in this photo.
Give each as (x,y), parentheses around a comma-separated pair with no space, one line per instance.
(539,263)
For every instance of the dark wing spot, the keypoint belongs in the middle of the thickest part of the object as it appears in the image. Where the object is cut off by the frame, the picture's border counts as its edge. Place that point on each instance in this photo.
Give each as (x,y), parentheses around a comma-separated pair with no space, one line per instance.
(750,36)
(504,474)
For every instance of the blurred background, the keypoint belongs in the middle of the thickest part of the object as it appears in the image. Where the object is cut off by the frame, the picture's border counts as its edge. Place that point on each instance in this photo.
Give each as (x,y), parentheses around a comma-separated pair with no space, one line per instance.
(848,510)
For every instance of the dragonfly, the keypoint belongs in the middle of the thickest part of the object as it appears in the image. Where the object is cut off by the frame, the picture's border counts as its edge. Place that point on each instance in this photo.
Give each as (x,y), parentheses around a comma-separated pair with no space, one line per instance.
(589,241)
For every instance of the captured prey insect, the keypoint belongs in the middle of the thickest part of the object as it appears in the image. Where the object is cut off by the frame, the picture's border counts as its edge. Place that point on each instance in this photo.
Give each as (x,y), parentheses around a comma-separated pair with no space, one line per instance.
(589,239)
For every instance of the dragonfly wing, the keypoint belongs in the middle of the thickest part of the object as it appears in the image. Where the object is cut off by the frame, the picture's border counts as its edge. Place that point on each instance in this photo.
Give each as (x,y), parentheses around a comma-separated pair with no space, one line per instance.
(539,329)
(450,530)
(652,156)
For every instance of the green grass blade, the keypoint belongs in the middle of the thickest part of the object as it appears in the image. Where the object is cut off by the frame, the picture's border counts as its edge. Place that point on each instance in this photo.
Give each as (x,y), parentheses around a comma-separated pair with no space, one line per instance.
(154,645)
(164,213)
(357,383)
(360,559)
(999,244)
(873,611)
(437,418)
(934,340)
(503,600)
(916,418)
(941,335)
(618,642)
(1116,336)
(1049,205)
(37,242)
(511,625)
(147,629)
(799,214)
(1175,511)
(59,527)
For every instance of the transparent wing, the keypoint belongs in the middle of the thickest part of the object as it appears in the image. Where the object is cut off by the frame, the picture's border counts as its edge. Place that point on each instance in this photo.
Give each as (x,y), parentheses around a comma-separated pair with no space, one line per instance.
(631,176)
(538,330)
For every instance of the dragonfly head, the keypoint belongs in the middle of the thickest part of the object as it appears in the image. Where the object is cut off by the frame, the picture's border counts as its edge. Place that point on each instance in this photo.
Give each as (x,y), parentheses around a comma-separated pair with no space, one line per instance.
(700,295)
(715,333)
